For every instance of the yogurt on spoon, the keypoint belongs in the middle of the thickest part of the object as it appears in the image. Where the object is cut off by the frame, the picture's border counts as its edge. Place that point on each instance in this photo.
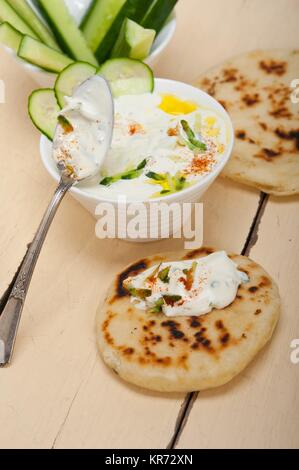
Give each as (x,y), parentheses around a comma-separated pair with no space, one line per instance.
(84,131)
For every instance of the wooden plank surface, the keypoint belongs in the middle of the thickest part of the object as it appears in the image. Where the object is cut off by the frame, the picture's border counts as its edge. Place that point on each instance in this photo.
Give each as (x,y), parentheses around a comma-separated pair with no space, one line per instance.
(258,409)
(58,393)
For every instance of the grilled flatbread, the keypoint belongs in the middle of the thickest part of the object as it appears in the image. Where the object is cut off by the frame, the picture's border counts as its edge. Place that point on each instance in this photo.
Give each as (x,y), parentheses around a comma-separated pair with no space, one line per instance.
(255,88)
(183,354)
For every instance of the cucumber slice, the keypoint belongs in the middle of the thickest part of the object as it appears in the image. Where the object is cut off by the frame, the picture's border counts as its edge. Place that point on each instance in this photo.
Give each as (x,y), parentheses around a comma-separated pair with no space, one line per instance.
(9,15)
(30,17)
(43,56)
(10,37)
(128,76)
(68,35)
(43,111)
(70,78)
(158,14)
(133,41)
(98,20)
(133,9)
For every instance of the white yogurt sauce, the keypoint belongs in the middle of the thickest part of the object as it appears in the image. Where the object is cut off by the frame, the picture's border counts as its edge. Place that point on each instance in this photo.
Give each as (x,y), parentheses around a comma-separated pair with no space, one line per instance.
(187,288)
(143,130)
(83,141)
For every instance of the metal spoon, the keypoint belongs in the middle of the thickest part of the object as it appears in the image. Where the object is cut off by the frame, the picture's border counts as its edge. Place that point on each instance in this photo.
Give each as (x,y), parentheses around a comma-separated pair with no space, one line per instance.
(10,317)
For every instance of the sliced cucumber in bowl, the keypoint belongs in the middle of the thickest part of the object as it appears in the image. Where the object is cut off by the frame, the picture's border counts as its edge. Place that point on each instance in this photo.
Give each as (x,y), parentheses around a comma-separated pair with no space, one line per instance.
(70,78)
(10,37)
(128,76)
(45,57)
(43,111)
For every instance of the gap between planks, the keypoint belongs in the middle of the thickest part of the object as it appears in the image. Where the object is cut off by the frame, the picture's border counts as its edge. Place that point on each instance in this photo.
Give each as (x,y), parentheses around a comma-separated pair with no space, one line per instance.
(190,398)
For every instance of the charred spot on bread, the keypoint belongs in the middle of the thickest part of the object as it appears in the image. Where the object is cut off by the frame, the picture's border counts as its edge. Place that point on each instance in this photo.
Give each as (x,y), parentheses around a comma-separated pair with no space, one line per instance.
(241,135)
(267,154)
(251,100)
(264,282)
(204,251)
(132,270)
(288,135)
(274,67)
(225,338)
(194,322)
(229,75)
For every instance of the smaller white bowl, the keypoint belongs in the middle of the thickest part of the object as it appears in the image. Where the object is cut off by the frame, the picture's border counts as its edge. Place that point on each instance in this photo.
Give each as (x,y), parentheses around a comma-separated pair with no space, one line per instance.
(78,7)
(190,195)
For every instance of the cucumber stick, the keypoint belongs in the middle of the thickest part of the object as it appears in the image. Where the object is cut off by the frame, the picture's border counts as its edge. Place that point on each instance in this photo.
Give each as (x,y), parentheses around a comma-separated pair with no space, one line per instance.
(127,76)
(39,54)
(99,19)
(43,111)
(30,17)
(68,35)
(156,16)
(70,78)
(133,41)
(10,37)
(9,15)
(133,9)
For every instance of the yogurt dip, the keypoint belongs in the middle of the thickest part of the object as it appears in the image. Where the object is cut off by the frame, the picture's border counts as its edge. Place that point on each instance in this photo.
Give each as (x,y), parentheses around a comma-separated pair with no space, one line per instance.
(162,144)
(187,288)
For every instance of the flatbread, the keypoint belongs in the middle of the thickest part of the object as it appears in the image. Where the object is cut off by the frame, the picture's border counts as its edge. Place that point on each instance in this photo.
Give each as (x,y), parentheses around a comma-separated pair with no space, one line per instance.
(255,88)
(183,354)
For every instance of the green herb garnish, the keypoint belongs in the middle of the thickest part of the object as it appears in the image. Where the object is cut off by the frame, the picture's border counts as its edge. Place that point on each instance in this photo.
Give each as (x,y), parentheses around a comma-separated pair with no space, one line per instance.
(108,180)
(164,275)
(157,308)
(193,143)
(171,299)
(190,275)
(155,176)
(140,293)
(128,175)
(170,184)
(65,124)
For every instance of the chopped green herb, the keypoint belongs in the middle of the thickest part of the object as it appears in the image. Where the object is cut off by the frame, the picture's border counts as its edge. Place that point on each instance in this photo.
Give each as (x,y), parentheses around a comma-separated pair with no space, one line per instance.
(152,277)
(180,183)
(108,180)
(164,275)
(140,293)
(157,308)
(193,142)
(169,183)
(65,124)
(128,175)
(142,164)
(190,275)
(155,176)
(171,299)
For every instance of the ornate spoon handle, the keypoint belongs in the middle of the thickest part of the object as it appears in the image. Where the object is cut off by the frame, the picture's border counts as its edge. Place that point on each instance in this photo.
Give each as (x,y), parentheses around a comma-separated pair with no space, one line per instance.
(10,317)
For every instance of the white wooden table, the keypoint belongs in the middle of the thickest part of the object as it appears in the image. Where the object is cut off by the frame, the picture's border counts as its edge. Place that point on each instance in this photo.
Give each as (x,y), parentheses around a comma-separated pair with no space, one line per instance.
(58,393)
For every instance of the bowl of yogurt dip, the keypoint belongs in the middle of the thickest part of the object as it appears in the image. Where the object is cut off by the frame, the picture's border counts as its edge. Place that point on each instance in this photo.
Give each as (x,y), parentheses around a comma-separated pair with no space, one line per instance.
(167,147)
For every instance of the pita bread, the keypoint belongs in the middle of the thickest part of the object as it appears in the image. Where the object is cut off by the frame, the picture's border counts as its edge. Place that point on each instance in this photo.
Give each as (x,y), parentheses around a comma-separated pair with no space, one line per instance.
(183,354)
(255,88)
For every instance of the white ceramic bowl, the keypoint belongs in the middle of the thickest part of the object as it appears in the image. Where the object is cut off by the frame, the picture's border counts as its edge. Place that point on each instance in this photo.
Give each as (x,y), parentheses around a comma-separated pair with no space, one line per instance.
(78,8)
(191,194)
